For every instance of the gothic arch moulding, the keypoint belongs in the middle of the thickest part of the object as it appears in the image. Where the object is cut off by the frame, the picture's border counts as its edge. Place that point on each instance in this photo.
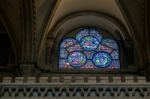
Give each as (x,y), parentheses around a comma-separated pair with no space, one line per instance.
(81,19)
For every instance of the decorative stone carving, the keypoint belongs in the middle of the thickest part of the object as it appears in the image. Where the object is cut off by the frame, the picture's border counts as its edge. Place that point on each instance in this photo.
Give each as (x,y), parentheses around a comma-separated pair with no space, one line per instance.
(57,88)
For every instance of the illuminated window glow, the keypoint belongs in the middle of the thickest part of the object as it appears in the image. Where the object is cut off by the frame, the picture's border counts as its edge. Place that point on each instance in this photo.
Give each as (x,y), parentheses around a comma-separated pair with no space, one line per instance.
(89,49)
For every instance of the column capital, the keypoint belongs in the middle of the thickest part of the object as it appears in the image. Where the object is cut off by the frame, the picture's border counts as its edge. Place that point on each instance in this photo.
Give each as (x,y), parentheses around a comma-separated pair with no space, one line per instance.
(27,69)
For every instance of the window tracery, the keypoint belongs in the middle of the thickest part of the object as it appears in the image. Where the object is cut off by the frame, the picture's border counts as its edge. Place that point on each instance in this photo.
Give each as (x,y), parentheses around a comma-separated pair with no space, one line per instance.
(89,49)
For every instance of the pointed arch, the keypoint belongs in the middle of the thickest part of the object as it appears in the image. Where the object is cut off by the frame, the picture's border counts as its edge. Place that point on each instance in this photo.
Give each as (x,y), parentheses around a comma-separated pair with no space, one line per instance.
(8,47)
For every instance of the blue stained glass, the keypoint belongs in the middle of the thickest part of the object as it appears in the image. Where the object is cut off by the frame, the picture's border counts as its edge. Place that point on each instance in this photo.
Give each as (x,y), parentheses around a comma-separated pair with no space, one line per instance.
(102,59)
(89,43)
(95,34)
(110,43)
(63,63)
(115,64)
(63,53)
(76,59)
(89,64)
(81,34)
(104,48)
(75,47)
(68,42)
(115,54)
(89,50)
(89,54)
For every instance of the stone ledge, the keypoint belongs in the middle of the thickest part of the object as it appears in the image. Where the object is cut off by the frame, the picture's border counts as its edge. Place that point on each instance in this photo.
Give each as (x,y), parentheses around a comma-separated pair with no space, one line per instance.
(76,79)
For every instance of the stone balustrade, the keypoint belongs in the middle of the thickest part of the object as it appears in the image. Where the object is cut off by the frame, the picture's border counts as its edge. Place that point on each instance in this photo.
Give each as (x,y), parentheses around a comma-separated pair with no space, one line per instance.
(75,79)
(74,87)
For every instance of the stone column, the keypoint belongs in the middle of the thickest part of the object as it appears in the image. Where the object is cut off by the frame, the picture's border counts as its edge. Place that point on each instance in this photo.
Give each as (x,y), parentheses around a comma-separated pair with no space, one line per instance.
(27,62)
(147,39)
(148,29)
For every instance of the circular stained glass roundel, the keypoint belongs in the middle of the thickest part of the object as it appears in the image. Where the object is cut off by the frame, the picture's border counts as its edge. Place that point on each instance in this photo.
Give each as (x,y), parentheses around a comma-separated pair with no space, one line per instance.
(76,59)
(102,59)
(89,43)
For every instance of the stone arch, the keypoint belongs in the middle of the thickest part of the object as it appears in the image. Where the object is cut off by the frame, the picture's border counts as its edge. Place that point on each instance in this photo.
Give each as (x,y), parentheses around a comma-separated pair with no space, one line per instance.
(11,40)
(76,20)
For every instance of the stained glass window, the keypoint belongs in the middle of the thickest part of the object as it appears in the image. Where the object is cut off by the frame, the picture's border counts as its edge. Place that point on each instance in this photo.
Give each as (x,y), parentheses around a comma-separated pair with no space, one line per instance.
(89,43)
(102,59)
(76,59)
(89,49)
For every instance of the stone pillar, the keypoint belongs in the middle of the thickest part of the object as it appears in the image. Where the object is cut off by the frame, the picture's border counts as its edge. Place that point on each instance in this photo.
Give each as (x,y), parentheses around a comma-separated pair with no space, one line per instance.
(147,30)
(27,69)
(27,61)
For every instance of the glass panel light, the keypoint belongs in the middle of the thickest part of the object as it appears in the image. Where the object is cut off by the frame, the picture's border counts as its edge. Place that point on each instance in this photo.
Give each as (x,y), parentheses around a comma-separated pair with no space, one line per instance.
(89,50)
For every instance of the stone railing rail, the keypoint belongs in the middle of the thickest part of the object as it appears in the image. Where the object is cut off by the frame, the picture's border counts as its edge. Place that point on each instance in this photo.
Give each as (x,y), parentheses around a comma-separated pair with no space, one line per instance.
(74,87)
(76,79)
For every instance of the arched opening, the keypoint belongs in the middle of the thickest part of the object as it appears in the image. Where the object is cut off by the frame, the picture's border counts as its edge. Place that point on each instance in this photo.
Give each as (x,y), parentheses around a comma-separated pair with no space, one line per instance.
(7,55)
(89,48)
(106,26)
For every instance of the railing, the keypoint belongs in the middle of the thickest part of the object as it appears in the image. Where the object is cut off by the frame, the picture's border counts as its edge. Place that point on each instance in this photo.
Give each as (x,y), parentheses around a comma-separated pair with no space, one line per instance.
(74,87)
